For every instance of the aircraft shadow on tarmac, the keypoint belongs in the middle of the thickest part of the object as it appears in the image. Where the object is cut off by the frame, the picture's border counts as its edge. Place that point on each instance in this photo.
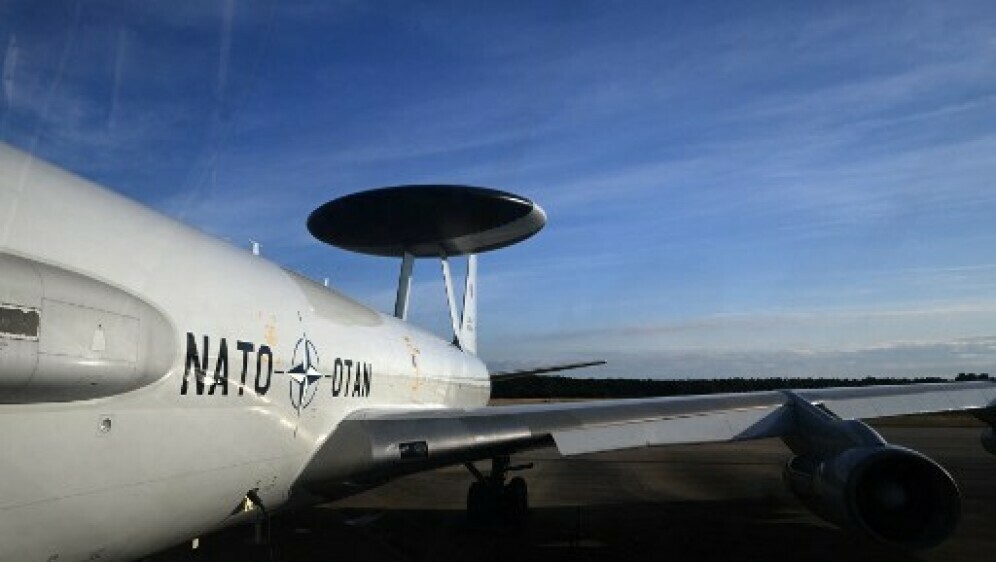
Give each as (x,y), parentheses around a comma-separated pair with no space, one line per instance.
(762,530)
(681,503)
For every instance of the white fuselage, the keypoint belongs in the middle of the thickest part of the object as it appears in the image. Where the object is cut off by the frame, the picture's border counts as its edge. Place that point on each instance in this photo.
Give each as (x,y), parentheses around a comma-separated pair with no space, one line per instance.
(121,475)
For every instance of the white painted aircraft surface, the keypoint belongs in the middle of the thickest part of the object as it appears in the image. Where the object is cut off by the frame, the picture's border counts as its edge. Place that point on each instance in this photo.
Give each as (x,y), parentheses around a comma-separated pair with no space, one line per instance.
(157,384)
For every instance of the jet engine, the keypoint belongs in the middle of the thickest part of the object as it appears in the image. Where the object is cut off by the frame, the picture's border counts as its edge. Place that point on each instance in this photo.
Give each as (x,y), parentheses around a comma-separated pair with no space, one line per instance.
(894,494)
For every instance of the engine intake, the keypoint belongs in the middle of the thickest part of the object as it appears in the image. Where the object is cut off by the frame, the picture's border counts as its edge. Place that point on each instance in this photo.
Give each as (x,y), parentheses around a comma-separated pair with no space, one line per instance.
(891,493)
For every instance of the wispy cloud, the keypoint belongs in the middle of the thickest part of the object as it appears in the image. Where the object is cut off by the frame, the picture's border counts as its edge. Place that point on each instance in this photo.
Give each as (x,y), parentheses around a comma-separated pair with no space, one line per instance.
(936,340)
(901,359)
(772,183)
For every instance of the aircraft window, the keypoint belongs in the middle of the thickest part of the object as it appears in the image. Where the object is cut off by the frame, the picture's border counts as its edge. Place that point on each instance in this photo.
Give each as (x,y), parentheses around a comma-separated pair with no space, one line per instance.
(18,322)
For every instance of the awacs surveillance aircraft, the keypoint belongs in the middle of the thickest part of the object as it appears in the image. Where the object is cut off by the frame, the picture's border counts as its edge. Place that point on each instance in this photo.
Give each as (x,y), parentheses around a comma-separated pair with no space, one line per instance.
(157,384)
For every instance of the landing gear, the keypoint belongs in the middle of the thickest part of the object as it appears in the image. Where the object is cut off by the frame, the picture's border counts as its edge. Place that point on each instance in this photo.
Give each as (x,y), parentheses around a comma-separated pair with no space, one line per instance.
(481,503)
(490,500)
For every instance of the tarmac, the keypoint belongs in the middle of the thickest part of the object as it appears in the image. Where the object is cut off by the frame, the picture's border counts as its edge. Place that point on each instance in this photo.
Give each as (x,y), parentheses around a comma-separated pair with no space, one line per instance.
(701,502)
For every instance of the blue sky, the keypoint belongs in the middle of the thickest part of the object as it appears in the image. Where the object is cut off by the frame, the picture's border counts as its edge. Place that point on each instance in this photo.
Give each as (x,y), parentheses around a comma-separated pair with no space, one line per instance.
(733,189)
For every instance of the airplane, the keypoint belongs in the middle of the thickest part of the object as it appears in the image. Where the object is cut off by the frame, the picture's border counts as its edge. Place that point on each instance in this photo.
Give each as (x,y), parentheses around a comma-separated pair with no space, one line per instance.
(158,384)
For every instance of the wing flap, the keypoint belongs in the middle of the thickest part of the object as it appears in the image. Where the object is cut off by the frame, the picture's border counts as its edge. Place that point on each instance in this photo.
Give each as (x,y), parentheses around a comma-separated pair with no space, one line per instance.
(704,428)
(883,401)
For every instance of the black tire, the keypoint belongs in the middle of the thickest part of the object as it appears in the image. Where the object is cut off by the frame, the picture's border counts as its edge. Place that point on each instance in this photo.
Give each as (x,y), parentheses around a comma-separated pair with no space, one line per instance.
(480,504)
(515,498)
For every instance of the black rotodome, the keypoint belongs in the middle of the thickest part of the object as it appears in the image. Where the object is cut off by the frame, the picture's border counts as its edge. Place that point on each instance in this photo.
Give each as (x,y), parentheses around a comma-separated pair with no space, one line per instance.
(426,220)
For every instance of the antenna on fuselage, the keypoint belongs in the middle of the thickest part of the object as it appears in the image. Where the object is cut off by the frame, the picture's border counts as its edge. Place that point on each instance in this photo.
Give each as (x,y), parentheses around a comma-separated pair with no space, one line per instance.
(430,221)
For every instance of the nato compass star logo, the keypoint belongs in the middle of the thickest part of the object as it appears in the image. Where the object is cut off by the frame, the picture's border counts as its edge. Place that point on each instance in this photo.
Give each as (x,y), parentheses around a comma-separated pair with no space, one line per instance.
(304,376)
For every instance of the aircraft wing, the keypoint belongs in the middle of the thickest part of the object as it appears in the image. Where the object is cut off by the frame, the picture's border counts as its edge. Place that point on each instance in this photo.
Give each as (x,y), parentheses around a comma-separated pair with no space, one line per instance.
(521,373)
(373,445)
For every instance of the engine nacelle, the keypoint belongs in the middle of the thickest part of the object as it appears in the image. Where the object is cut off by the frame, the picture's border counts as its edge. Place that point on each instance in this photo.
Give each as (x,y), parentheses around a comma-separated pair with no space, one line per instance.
(65,336)
(891,493)
(988,439)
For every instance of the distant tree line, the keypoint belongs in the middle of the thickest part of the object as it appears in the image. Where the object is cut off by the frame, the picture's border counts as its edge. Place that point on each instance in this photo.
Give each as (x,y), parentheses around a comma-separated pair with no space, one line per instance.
(566,387)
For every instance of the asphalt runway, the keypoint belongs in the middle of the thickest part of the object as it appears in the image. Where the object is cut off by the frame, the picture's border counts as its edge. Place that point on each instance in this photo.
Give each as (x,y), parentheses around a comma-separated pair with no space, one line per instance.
(702,502)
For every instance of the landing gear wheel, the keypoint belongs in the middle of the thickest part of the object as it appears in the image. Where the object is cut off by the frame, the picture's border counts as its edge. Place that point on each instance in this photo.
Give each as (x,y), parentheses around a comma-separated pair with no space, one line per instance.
(490,500)
(515,501)
(481,504)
